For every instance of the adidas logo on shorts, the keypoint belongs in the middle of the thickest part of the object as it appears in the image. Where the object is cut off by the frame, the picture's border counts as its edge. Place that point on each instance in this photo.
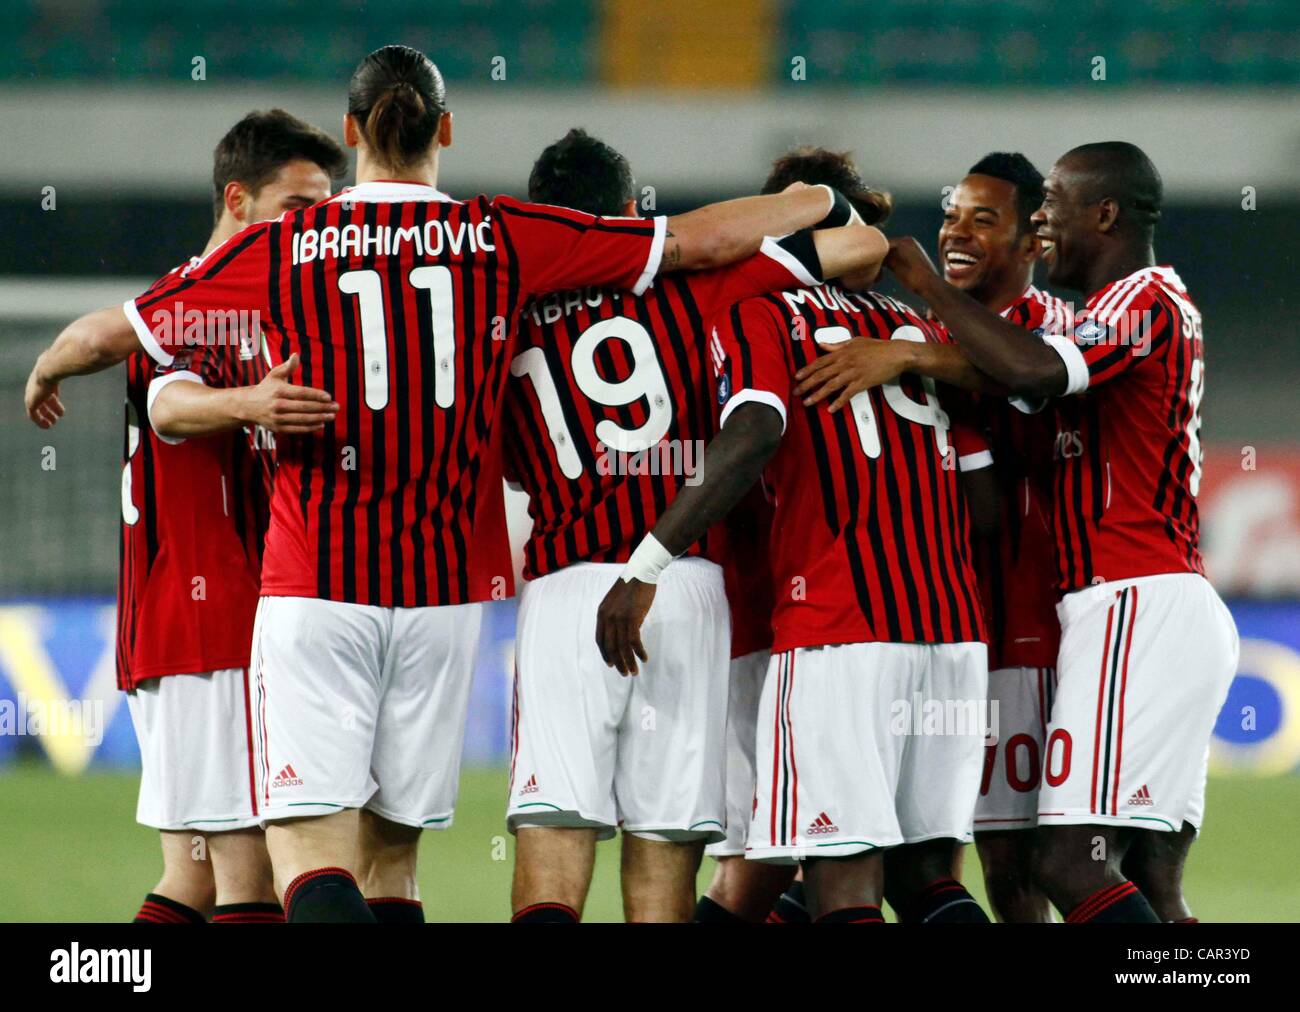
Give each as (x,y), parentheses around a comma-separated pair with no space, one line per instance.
(1141,796)
(531,786)
(287,778)
(822,826)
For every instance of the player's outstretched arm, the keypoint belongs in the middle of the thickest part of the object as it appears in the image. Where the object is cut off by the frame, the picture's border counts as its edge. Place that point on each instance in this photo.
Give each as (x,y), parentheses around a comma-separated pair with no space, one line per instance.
(185,409)
(720,234)
(1009,354)
(853,366)
(90,344)
(732,463)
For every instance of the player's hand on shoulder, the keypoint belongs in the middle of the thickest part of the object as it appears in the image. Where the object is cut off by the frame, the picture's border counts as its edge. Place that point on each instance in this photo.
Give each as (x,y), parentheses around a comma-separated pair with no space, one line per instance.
(618,624)
(909,263)
(847,368)
(279,404)
(42,399)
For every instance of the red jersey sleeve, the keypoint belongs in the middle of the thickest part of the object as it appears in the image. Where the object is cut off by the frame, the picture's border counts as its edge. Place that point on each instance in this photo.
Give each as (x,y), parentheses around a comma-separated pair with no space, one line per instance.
(747,346)
(558,248)
(1107,342)
(771,269)
(239,363)
(146,338)
(214,303)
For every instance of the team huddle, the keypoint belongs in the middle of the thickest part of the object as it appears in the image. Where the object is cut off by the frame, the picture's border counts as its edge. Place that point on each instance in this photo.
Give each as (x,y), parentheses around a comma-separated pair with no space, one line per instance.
(818,583)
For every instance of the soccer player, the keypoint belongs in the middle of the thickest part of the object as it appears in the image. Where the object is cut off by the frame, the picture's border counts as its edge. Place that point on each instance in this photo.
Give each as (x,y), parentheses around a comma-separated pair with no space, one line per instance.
(988,249)
(403,304)
(1148,649)
(876,622)
(609,408)
(748,890)
(193,517)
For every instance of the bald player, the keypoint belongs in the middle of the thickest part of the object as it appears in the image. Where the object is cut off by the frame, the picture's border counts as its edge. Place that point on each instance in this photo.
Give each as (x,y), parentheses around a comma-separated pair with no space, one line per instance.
(1147,649)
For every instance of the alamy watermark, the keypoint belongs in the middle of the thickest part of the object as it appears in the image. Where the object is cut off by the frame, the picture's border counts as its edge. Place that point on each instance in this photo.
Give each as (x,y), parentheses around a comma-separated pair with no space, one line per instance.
(927,716)
(678,457)
(179,327)
(51,718)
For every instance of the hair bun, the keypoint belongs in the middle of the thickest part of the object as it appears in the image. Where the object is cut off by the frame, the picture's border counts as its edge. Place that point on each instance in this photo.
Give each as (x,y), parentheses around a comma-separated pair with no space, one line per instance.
(407,97)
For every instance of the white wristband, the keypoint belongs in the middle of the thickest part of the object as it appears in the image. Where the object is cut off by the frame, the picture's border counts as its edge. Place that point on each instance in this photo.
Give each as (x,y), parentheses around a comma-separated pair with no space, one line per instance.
(647,561)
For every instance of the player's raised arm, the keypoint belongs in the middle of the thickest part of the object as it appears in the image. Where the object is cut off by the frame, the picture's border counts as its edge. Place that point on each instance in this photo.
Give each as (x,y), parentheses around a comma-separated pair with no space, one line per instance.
(90,344)
(852,253)
(723,233)
(179,410)
(1010,355)
(557,248)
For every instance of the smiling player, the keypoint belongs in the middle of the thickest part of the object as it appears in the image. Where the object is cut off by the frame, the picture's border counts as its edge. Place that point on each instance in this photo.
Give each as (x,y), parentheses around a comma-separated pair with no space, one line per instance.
(1148,649)
(988,248)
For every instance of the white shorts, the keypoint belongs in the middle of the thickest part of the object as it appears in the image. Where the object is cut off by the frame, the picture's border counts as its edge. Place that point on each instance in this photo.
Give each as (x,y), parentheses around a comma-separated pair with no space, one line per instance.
(358,706)
(868,745)
(197,769)
(1144,668)
(1020,705)
(594,748)
(744,690)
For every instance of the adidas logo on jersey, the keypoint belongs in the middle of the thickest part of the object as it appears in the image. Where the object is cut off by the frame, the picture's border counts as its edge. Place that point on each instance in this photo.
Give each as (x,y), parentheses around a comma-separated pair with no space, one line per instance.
(1141,796)
(531,786)
(248,346)
(287,778)
(822,826)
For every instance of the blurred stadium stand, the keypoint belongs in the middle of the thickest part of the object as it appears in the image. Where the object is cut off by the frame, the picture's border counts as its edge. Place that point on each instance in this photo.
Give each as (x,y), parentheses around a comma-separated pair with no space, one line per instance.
(562,42)
(552,41)
(1026,43)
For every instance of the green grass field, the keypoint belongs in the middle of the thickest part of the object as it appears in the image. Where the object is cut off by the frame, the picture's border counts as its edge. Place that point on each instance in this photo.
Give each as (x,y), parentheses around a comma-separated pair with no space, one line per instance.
(70,850)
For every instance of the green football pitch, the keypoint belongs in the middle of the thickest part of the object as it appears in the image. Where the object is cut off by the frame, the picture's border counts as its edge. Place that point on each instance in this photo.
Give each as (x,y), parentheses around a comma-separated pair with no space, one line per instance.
(71,851)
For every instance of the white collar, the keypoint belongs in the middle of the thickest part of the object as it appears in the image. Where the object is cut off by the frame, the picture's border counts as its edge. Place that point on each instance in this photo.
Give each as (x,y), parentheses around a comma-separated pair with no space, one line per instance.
(1161,272)
(386,193)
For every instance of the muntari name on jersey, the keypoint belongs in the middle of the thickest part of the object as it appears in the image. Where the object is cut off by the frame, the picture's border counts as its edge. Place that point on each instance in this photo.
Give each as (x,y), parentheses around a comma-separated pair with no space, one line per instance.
(430,239)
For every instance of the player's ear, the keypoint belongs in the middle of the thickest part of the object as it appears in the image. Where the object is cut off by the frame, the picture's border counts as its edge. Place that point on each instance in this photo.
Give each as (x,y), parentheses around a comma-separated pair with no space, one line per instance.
(1107,214)
(236,199)
(444,130)
(1031,247)
(351,132)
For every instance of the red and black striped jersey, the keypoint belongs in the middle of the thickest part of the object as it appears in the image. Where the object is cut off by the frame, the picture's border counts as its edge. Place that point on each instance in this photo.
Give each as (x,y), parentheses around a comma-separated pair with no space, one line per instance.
(404,305)
(610,406)
(870,537)
(194,513)
(1018,576)
(1127,449)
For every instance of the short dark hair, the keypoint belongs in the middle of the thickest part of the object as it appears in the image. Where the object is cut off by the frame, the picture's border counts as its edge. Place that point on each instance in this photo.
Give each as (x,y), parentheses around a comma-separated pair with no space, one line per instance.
(1123,172)
(815,166)
(259,145)
(397,97)
(1019,171)
(584,173)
